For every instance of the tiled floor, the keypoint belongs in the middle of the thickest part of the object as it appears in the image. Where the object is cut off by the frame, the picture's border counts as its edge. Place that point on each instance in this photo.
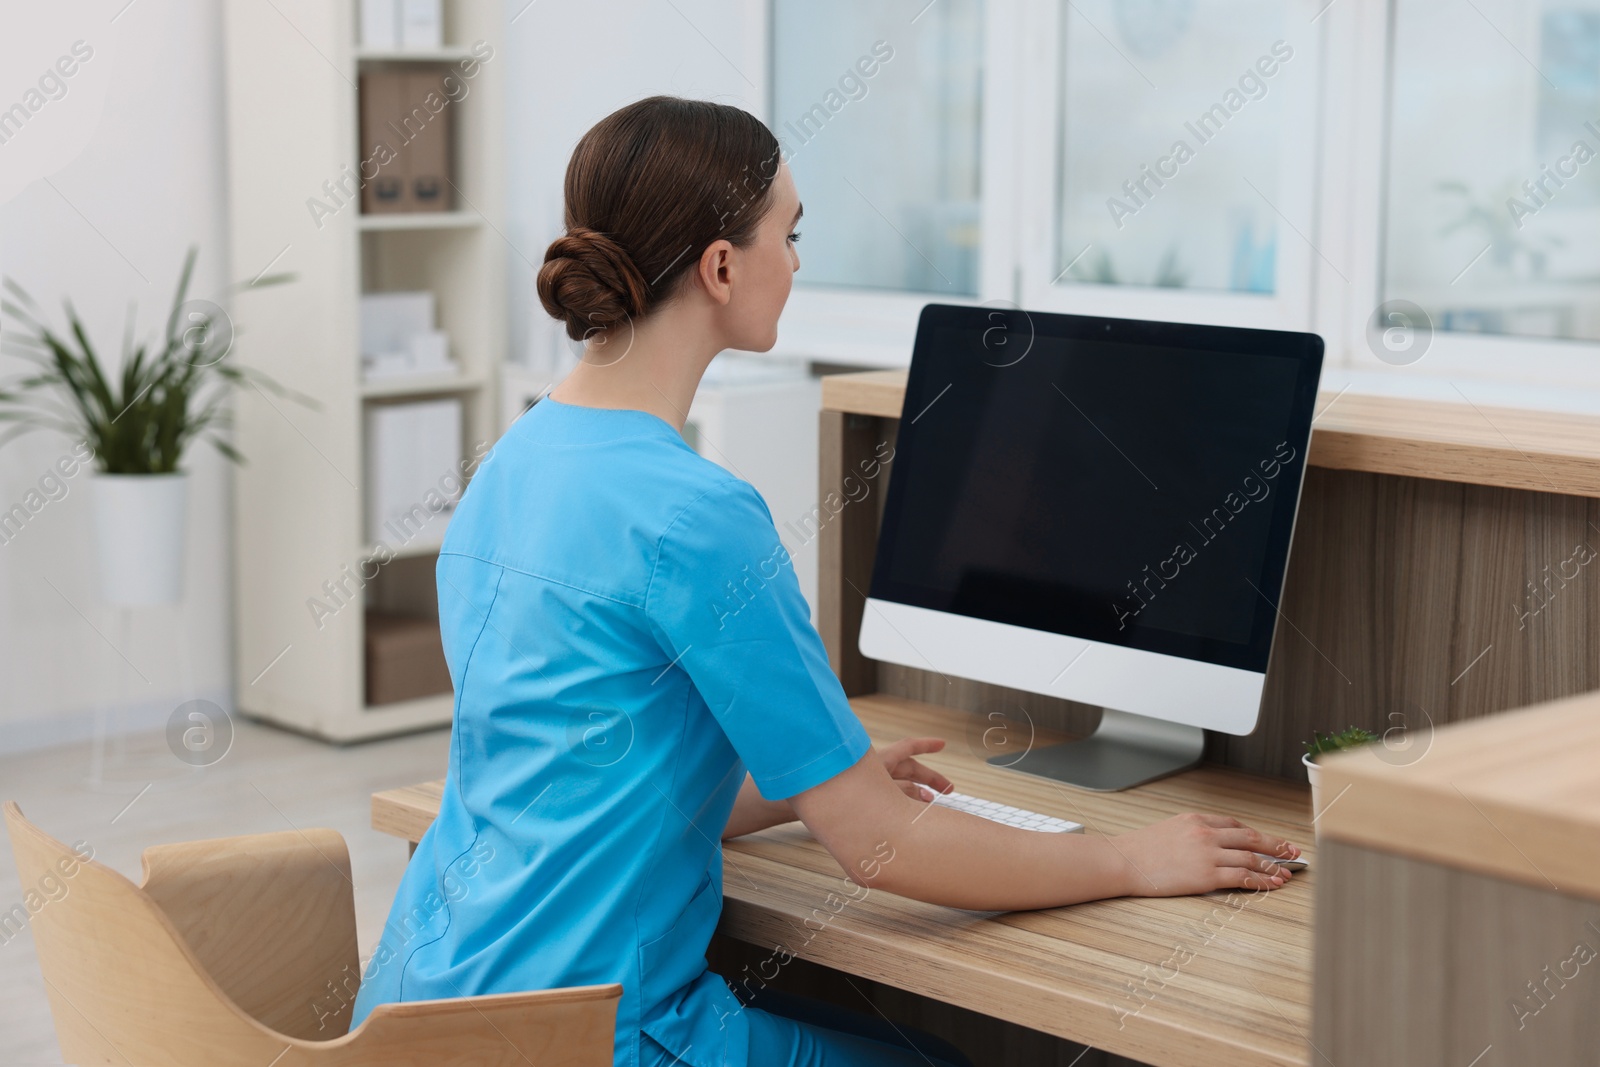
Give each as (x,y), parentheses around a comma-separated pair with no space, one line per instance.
(269,780)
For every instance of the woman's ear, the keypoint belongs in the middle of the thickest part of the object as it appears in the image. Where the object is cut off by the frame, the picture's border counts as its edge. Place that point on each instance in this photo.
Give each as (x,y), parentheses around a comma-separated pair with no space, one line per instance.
(715,273)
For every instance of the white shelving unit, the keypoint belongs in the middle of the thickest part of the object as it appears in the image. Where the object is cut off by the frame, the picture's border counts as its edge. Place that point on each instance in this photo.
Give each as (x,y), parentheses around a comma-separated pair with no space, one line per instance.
(300,532)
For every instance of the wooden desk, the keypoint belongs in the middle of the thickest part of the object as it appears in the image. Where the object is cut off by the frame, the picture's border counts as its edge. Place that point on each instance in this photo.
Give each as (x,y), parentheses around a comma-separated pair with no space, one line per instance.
(1222,980)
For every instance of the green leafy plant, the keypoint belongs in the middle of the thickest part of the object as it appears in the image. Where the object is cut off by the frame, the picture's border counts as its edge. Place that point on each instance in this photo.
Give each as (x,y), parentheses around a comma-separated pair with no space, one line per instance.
(139,419)
(1351,738)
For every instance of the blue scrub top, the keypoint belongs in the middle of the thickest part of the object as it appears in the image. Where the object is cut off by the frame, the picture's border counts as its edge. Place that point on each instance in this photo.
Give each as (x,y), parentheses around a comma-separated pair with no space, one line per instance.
(626,637)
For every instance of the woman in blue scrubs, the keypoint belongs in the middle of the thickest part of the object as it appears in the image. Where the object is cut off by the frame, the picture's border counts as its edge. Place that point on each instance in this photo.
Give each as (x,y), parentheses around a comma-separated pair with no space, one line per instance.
(635,669)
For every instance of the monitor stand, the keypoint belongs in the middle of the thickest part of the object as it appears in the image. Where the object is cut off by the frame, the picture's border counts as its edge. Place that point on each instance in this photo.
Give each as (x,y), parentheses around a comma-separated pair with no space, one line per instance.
(1124,750)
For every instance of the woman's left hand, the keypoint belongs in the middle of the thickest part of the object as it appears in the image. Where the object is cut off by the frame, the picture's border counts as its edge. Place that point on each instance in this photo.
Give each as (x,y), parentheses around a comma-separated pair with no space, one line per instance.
(907,772)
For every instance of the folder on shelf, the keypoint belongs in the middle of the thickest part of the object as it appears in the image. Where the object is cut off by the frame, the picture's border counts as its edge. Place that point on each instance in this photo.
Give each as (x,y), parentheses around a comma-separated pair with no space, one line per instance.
(407,120)
(413,477)
(382,170)
(429,165)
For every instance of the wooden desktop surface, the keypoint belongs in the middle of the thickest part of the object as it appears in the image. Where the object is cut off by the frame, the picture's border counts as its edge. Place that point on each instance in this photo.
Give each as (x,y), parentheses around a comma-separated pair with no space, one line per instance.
(1221,980)
(1510,448)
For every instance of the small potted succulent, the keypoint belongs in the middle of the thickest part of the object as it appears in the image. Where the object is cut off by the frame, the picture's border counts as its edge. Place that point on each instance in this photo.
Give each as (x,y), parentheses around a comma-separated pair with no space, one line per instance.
(1320,742)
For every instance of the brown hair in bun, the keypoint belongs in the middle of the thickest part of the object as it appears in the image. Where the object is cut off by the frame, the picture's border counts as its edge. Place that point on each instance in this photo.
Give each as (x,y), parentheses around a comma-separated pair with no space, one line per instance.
(647,190)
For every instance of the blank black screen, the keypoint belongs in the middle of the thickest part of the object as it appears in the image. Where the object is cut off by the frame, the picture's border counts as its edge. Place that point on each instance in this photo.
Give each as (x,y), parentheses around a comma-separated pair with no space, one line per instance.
(1122,481)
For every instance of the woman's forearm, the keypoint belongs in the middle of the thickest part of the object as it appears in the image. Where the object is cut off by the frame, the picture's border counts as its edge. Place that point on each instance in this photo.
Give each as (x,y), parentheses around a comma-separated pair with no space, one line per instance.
(752,812)
(886,840)
(963,861)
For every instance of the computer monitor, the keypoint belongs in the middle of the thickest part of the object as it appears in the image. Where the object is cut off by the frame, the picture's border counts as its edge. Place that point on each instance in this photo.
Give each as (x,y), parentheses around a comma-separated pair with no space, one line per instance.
(1100,510)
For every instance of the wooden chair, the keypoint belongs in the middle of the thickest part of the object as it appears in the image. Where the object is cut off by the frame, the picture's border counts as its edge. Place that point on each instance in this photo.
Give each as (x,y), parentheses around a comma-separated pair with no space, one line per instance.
(241,952)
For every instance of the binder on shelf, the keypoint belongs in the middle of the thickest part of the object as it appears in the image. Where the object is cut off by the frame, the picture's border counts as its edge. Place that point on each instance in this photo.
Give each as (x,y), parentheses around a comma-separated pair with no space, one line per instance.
(413,475)
(381,94)
(429,149)
(407,141)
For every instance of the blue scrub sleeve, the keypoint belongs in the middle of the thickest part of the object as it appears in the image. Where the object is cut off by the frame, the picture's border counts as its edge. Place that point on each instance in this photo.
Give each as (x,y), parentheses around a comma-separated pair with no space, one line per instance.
(728,610)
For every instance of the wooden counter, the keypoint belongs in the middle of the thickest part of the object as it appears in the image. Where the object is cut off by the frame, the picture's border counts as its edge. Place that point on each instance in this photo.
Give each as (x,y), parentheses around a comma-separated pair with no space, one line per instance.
(1515,796)
(1545,451)
(1459,895)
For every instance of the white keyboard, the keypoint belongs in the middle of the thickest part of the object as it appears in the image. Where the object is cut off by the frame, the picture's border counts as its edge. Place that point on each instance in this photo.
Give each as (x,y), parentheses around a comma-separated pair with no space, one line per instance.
(1021,818)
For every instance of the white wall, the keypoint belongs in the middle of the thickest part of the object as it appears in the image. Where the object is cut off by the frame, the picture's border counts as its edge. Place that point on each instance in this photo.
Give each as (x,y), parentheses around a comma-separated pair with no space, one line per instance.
(101,191)
(569,66)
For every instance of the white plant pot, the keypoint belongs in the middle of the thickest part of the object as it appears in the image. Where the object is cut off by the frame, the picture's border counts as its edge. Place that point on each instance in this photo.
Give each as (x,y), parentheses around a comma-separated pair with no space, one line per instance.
(1313,772)
(138,533)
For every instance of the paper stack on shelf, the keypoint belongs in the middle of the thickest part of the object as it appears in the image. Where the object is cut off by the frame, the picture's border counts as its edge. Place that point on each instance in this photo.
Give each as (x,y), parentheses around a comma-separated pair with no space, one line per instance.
(398,338)
(413,477)
(421,23)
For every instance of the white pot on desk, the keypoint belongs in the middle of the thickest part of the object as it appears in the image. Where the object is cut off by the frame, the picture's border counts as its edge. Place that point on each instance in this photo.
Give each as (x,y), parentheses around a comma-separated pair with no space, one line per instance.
(1312,772)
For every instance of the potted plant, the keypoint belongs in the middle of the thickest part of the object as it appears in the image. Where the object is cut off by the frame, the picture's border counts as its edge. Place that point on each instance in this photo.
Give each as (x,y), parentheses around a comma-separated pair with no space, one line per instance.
(1320,742)
(137,420)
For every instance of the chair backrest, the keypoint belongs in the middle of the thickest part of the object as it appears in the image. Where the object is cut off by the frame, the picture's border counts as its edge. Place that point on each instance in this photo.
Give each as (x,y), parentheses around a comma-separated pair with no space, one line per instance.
(271,918)
(241,952)
(123,983)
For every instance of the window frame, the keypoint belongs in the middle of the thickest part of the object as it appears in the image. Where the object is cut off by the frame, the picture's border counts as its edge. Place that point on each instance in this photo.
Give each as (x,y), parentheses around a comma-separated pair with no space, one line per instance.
(876,328)
(1344,215)
(1358,130)
(1288,307)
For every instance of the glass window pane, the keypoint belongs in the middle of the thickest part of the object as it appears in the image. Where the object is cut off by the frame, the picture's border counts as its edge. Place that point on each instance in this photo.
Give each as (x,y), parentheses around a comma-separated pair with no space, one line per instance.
(878,107)
(1493,185)
(1170,121)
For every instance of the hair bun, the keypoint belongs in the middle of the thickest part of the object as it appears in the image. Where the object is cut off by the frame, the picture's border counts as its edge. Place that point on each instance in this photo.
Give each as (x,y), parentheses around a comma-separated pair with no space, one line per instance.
(591,281)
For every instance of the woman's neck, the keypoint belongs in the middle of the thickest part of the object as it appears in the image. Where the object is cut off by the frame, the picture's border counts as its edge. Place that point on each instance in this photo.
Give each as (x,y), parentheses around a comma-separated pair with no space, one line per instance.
(638,367)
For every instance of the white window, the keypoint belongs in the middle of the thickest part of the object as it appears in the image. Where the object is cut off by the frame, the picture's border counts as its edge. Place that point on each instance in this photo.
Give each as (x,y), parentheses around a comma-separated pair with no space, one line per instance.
(878,110)
(878,117)
(1493,209)
(1170,164)
(1420,173)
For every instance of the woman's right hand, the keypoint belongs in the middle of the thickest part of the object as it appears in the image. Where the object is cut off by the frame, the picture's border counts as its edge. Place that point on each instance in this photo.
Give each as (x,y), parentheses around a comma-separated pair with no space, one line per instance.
(1197,853)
